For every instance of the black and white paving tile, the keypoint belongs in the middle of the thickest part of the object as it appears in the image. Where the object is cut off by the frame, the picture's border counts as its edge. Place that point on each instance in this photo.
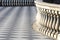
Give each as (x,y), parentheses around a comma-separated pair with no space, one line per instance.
(16,24)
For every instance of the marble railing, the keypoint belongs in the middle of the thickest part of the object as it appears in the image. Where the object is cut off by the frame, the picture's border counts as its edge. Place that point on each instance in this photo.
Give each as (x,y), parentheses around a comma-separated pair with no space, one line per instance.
(16,2)
(48,19)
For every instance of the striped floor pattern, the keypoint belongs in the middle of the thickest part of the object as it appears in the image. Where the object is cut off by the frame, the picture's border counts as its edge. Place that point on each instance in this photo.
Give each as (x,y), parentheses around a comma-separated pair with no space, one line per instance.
(16,24)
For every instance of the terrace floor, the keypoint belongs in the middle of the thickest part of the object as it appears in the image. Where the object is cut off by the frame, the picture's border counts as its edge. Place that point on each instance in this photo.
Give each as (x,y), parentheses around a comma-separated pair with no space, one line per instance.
(16,24)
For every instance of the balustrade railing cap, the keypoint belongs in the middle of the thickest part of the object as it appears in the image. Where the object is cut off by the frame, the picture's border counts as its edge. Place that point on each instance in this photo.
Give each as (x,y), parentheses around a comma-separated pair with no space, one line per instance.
(48,5)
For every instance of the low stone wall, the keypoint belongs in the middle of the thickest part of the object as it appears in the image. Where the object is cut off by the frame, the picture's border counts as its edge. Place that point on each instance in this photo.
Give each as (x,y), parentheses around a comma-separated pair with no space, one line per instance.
(48,19)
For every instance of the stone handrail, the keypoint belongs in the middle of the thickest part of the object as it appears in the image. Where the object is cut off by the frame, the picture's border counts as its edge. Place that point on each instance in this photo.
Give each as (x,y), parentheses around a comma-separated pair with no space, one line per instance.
(48,19)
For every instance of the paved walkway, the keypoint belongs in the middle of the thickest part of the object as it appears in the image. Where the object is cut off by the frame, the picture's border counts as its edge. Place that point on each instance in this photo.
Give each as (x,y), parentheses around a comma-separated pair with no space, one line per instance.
(16,24)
